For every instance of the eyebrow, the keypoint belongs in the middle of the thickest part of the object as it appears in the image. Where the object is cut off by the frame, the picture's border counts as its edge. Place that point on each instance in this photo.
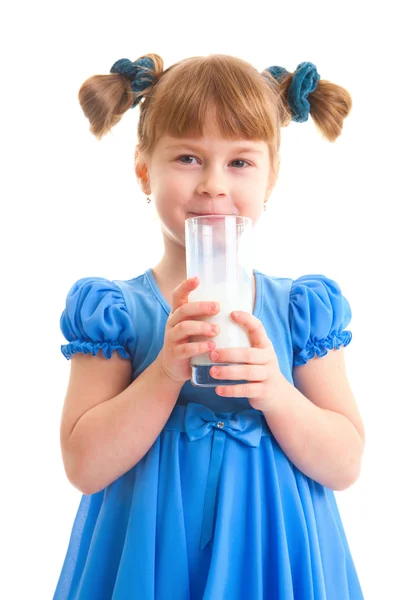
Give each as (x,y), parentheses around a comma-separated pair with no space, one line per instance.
(196,147)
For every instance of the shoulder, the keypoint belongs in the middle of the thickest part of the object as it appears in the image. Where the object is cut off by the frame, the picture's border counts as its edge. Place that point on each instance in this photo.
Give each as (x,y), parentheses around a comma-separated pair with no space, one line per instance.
(96,282)
(96,317)
(272,285)
(315,285)
(318,315)
(310,287)
(318,294)
(311,281)
(91,296)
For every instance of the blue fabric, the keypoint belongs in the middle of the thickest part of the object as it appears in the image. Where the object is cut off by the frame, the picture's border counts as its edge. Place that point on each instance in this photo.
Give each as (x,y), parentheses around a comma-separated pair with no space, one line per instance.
(319,313)
(96,318)
(305,80)
(137,73)
(245,426)
(215,509)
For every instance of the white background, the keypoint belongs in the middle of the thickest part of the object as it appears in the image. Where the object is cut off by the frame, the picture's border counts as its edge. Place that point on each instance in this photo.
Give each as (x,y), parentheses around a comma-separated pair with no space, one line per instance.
(71,208)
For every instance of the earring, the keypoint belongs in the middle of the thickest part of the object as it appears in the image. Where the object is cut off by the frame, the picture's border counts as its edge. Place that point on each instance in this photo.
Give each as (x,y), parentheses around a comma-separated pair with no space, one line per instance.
(264,206)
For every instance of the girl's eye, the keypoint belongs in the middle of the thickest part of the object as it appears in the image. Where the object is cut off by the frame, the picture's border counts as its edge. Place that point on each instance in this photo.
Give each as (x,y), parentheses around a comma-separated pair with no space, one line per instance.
(240,160)
(186,156)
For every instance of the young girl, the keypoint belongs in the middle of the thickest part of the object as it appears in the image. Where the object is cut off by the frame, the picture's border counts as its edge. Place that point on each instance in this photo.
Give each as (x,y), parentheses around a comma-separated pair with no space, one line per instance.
(221,493)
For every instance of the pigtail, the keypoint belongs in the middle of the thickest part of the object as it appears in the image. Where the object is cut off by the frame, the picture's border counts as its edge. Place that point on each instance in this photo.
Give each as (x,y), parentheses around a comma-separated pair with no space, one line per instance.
(105,98)
(303,92)
(330,105)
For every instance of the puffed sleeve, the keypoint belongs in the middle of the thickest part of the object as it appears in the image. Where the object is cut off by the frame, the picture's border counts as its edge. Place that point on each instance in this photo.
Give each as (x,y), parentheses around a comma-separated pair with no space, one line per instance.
(318,314)
(96,318)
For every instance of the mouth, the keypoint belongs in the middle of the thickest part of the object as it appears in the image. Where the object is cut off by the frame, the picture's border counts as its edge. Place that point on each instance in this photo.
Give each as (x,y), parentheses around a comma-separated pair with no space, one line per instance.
(208,214)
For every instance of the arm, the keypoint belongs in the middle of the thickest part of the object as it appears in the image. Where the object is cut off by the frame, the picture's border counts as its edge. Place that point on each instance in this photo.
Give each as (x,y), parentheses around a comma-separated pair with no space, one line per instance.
(112,435)
(320,430)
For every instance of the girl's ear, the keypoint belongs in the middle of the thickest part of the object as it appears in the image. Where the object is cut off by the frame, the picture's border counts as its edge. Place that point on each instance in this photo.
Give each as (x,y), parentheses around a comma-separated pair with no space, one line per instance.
(141,172)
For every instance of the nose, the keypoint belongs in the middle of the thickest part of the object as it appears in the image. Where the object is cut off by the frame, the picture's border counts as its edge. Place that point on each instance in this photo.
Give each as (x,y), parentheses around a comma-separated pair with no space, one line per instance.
(212,183)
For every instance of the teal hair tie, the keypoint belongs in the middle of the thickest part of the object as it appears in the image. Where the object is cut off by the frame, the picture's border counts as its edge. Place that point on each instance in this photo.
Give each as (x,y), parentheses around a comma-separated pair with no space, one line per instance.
(304,81)
(137,74)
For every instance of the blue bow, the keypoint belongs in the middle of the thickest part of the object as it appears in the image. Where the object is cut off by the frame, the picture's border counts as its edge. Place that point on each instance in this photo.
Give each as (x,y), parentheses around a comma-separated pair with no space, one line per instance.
(245,426)
(137,73)
(305,80)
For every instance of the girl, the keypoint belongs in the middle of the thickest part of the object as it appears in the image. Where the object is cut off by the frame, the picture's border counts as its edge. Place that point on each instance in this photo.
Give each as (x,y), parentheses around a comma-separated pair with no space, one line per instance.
(222,493)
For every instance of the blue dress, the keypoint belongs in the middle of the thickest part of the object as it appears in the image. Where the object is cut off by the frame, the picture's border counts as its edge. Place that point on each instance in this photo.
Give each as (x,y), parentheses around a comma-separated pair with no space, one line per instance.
(215,510)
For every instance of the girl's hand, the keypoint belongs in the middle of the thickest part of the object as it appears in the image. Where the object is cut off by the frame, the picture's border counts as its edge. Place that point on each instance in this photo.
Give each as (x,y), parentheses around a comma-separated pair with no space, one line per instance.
(175,355)
(262,368)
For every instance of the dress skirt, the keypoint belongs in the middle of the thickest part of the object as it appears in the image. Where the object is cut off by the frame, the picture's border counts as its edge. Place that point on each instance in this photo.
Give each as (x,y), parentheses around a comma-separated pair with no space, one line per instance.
(214,511)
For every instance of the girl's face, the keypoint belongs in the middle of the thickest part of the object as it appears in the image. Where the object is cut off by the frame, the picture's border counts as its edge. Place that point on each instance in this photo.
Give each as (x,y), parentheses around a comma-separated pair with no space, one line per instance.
(213,175)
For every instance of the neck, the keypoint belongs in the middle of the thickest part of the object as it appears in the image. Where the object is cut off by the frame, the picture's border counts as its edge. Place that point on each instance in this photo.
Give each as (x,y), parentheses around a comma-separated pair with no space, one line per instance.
(171,269)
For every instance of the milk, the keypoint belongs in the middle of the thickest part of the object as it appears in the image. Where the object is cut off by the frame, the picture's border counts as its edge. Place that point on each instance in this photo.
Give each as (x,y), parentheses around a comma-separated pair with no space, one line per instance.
(231,334)
(219,253)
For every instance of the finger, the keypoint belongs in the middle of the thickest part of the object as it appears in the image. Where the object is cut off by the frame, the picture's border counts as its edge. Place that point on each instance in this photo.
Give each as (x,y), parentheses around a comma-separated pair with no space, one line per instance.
(254,356)
(185,329)
(254,327)
(182,291)
(251,373)
(194,310)
(243,390)
(193,349)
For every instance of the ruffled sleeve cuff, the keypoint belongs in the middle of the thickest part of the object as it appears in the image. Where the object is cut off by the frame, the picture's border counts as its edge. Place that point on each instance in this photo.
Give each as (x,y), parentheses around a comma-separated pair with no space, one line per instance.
(93,348)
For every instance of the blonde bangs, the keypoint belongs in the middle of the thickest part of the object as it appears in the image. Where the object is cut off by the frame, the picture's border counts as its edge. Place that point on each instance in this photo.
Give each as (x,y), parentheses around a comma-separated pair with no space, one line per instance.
(239,98)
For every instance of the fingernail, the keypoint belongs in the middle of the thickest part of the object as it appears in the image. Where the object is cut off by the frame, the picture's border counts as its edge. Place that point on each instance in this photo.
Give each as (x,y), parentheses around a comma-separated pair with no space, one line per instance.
(214,355)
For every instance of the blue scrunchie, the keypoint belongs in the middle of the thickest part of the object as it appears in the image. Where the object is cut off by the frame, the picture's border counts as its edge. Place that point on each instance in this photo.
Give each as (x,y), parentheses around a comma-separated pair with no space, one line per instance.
(305,80)
(137,74)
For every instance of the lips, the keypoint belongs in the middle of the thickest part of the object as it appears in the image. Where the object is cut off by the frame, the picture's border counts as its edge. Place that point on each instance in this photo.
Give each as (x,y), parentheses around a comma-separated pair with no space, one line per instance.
(209,214)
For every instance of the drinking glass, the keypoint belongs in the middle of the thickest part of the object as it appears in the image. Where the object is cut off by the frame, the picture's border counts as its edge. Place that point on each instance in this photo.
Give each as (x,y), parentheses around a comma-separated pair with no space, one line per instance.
(219,252)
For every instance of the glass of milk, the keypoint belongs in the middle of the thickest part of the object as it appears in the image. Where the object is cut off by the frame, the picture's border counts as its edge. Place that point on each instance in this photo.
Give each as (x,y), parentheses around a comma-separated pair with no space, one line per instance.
(219,252)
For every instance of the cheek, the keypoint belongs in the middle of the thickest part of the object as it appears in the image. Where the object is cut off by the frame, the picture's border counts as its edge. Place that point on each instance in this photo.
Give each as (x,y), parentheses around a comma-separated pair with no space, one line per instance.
(252,193)
(173,186)
(253,181)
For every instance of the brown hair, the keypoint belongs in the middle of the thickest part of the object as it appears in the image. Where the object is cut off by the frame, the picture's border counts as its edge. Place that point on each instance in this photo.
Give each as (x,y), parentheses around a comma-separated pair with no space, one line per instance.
(248,104)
